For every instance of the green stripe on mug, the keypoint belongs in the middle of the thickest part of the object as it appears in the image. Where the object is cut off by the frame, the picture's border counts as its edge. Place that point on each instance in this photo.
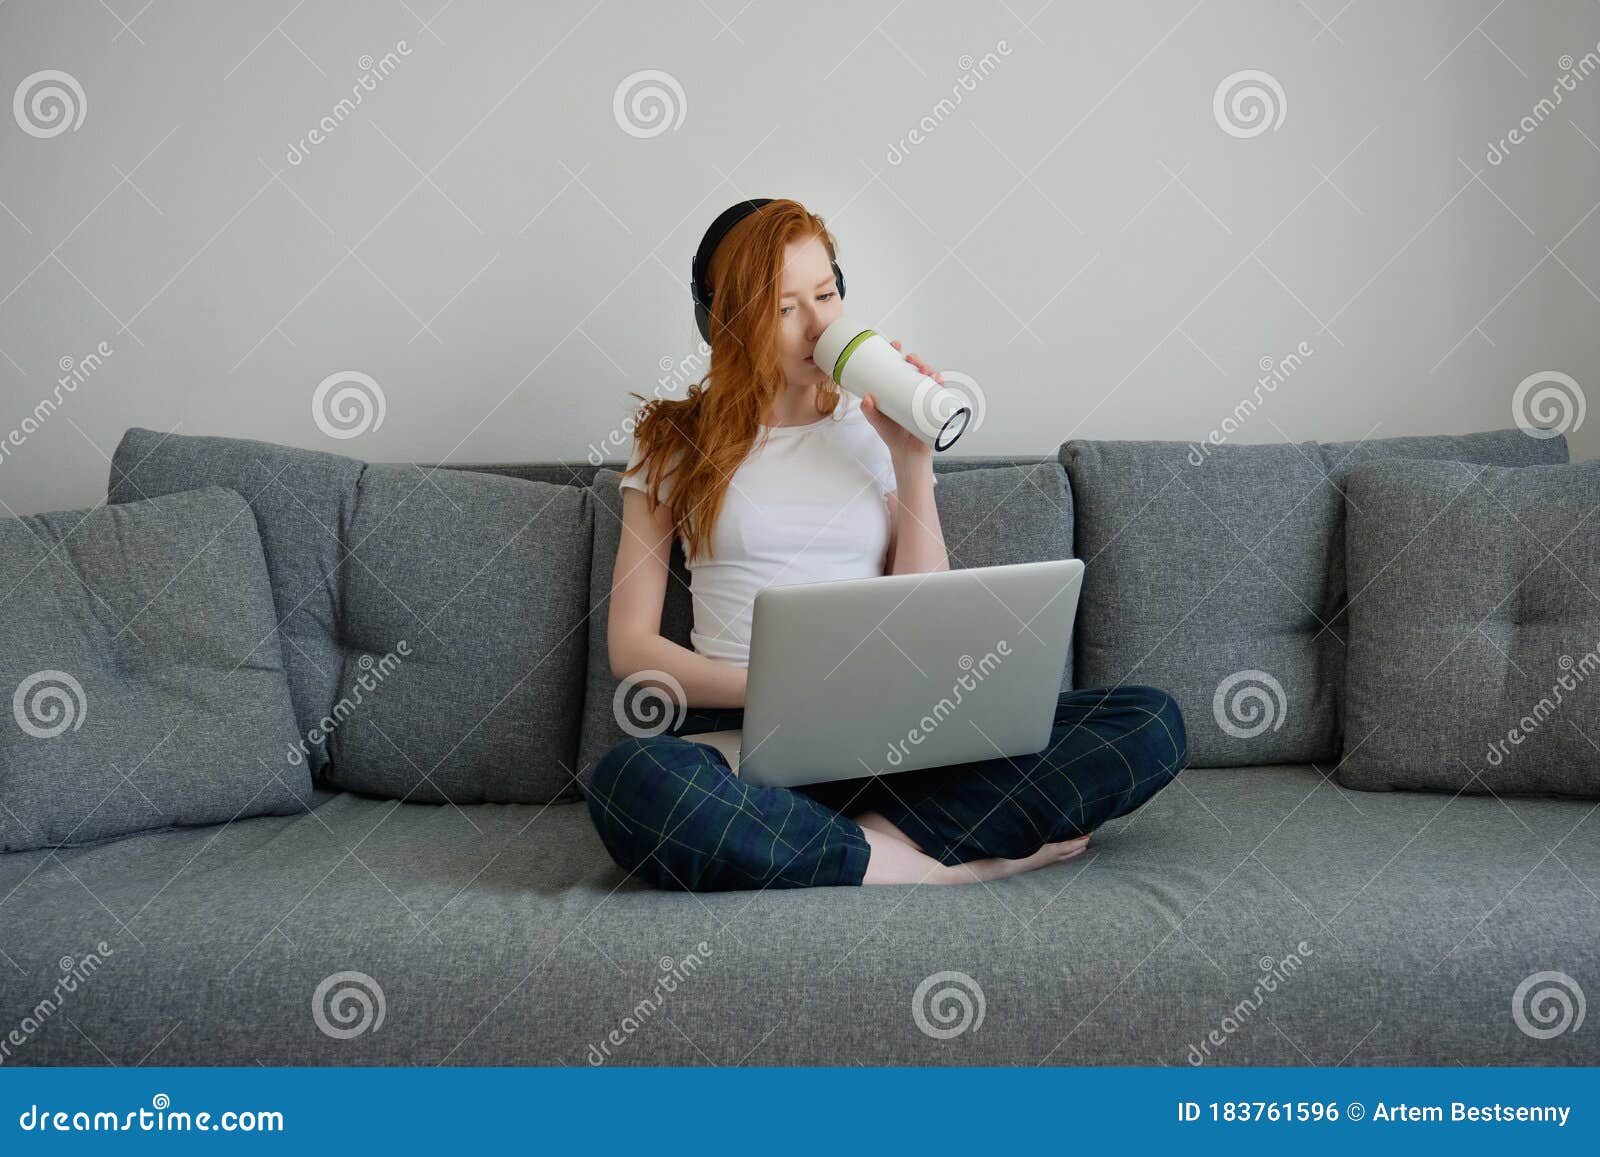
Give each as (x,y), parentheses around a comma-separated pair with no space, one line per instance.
(850,348)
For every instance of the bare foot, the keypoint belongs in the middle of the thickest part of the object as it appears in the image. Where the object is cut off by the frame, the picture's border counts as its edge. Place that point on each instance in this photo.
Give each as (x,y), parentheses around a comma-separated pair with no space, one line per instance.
(996,868)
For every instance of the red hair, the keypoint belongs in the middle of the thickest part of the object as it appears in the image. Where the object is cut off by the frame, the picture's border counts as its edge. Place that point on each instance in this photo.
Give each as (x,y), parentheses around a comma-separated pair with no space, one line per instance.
(701,439)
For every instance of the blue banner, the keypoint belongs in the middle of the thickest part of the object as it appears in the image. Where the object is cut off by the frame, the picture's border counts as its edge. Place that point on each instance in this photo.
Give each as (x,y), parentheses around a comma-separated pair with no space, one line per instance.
(662,1111)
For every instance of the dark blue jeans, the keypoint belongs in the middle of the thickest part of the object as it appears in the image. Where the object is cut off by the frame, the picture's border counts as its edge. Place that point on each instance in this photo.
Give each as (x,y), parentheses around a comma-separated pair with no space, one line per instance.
(670,809)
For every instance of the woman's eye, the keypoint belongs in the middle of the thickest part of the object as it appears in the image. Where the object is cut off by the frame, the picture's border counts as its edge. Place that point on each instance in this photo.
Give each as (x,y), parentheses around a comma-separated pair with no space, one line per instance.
(825,296)
(784,311)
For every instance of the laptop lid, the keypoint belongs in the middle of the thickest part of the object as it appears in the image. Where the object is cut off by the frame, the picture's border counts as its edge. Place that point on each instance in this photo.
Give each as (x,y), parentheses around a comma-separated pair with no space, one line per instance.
(859,677)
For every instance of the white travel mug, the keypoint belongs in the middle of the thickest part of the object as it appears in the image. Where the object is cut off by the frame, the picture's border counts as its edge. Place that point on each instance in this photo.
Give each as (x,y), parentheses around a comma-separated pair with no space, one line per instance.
(863,362)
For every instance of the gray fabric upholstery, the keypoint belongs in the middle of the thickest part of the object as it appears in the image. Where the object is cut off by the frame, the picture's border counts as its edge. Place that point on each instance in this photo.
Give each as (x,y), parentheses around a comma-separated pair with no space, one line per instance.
(1474,656)
(302,502)
(140,661)
(503,934)
(356,568)
(1217,574)
(486,581)
(989,515)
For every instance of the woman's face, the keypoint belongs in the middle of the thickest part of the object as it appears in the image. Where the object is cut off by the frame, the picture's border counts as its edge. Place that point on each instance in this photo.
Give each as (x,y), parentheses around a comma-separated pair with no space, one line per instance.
(808,301)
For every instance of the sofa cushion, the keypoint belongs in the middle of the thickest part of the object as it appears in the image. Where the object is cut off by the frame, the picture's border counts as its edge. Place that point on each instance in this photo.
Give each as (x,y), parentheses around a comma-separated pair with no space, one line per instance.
(482,577)
(1474,656)
(1216,572)
(302,501)
(513,939)
(989,516)
(140,661)
(462,624)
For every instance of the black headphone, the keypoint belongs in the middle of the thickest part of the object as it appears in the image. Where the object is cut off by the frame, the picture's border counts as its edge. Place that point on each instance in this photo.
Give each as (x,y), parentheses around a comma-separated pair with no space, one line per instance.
(725,221)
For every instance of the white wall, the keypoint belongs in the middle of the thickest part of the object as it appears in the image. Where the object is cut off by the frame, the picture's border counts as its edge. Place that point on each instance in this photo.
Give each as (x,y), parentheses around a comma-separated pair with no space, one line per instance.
(484,239)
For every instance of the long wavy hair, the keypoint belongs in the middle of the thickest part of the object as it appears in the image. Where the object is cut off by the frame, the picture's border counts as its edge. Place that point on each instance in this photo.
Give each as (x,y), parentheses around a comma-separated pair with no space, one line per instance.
(701,439)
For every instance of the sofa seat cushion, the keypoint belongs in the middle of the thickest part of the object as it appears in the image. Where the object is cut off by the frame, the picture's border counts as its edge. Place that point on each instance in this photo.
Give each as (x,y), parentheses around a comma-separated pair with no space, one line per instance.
(141,671)
(1474,656)
(989,516)
(1216,572)
(504,934)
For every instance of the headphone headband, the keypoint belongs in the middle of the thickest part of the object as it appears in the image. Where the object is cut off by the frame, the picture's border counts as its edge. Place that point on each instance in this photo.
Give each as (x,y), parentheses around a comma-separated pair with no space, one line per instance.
(700,269)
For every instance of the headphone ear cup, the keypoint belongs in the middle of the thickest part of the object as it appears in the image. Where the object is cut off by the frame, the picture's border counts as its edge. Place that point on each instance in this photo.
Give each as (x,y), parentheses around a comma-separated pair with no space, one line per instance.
(838,279)
(702,319)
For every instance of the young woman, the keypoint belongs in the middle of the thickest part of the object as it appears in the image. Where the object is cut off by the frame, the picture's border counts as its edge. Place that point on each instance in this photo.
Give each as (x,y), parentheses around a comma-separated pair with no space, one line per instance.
(768,474)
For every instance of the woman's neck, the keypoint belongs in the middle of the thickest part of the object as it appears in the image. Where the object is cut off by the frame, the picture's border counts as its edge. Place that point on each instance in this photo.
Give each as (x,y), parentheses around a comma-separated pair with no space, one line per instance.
(795,406)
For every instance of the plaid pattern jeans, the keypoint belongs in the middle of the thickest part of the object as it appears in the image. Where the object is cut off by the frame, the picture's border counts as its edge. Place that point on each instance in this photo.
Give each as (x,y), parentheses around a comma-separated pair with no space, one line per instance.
(670,809)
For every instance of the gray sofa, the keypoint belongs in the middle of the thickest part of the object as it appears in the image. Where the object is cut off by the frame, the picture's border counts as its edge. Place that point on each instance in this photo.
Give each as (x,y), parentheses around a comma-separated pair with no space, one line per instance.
(439,896)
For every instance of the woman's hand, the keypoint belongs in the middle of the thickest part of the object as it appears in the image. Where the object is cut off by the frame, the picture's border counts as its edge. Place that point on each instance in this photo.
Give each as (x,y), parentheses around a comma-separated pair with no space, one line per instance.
(902,443)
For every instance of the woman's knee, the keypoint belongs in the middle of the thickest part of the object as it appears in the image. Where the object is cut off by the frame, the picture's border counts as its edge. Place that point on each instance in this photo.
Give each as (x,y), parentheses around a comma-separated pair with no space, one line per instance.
(1164,740)
(1157,746)
(632,787)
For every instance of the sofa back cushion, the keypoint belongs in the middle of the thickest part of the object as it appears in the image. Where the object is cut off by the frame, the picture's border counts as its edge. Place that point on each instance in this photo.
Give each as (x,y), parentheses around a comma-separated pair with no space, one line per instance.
(1216,572)
(1474,654)
(302,501)
(142,672)
(433,617)
(989,516)
(463,640)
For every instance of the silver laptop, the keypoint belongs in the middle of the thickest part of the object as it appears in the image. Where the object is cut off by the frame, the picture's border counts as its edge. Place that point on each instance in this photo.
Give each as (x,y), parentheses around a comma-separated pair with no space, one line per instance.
(877,675)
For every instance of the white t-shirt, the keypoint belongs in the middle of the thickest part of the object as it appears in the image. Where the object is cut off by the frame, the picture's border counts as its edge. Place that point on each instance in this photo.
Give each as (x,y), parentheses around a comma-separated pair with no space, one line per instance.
(806,505)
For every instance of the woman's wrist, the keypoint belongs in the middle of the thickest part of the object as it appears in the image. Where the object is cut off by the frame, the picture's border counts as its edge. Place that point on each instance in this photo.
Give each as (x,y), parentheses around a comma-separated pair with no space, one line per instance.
(912,463)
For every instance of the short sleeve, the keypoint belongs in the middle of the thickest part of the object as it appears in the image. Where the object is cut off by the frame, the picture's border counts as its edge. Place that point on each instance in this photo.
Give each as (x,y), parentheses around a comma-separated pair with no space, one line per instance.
(637,481)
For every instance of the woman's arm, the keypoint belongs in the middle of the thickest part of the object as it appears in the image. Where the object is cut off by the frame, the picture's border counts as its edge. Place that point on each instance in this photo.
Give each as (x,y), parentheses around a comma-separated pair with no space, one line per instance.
(916,541)
(633,627)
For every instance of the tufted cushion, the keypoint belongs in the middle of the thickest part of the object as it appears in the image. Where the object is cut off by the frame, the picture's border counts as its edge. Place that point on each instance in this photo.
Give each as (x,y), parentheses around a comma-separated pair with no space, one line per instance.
(463,637)
(482,577)
(989,516)
(1474,655)
(1216,572)
(302,501)
(141,670)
